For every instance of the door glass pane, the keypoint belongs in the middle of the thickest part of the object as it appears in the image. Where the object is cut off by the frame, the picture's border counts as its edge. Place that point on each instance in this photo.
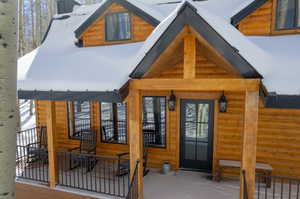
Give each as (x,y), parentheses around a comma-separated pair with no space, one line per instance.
(190,140)
(286,14)
(190,113)
(202,122)
(190,131)
(202,148)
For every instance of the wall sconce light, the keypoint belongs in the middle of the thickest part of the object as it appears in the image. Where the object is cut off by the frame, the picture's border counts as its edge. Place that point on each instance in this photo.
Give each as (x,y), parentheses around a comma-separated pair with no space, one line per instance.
(172,102)
(223,104)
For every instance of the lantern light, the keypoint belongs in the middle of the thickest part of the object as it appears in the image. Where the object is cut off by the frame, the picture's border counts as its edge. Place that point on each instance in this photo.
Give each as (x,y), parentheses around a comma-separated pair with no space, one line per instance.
(223,104)
(172,102)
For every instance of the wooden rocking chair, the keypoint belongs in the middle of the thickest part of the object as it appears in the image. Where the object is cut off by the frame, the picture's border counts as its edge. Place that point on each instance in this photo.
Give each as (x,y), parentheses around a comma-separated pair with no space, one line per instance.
(38,151)
(124,165)
(84,153)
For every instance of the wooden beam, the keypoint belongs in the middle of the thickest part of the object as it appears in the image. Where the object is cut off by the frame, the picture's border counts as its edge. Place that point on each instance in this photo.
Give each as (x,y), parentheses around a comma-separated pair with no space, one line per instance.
(167,60)
(249,142)
(136,137)
(115,120)
(51,128)
(189,66)
(196,84)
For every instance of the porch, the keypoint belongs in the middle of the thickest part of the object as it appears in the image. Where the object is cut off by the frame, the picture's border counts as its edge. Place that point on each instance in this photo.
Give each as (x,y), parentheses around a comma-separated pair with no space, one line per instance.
(176,185)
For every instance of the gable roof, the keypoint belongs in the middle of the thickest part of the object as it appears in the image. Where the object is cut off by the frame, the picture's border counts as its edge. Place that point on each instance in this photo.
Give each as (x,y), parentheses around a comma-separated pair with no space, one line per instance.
(247,11)
(105,5)
(187,15)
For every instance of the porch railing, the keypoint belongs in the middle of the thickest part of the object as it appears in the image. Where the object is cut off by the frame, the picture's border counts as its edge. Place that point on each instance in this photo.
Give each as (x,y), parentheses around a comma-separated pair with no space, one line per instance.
(245,185)
(277,187)
(92,173)
(32,155)
(80,126)
(108,131)
(133,192)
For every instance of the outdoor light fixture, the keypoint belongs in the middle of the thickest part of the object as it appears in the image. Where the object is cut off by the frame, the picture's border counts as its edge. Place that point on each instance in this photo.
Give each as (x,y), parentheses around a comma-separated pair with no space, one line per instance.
(172,102)
(223,104)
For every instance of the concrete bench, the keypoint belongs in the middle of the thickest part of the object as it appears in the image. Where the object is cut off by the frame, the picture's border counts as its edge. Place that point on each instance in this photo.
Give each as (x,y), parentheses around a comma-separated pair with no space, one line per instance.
(265,169)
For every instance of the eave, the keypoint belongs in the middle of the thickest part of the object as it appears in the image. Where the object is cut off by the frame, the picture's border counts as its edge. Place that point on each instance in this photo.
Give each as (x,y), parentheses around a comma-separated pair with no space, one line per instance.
(246,11)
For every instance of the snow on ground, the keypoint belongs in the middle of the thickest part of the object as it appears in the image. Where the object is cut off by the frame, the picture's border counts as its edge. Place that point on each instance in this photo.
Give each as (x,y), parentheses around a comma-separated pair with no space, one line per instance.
(27,121)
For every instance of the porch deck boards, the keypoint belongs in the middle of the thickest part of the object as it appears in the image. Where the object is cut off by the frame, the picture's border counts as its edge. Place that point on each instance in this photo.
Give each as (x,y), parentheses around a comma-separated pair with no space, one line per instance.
(188,185)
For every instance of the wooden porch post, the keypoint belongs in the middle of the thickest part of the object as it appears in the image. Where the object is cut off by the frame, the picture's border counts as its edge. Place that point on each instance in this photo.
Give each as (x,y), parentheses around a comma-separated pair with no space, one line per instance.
(249,142)
(51,128)
(136,137)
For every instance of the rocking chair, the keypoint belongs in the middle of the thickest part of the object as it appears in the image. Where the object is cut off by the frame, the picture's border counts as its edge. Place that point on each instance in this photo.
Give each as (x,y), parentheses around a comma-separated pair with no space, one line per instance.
(83,156)
(124,165)
(38,151)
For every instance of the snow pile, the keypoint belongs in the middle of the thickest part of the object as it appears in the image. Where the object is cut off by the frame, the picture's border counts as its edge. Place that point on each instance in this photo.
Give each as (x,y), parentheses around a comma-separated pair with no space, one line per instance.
(28,120)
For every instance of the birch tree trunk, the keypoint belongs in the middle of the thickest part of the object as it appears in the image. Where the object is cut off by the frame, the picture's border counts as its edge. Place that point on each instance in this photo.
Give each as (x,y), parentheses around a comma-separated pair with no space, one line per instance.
(21,30)
(38,22)
(33,24)
(8,71)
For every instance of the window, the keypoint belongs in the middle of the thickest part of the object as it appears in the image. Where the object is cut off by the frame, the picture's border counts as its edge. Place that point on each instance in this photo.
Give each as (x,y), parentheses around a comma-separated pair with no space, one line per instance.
(114,123)
(154,121)
(288,14)
(79,118)
(118,26)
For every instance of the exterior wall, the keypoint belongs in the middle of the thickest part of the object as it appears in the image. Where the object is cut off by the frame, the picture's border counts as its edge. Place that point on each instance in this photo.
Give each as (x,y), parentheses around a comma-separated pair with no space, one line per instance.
(63,142)
(262,21)
(258,22)
(205,68)
(278,134)
(95,34)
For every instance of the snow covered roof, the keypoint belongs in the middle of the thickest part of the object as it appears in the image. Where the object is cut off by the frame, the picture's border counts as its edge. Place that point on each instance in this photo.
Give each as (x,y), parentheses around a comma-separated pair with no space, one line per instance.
(59,65)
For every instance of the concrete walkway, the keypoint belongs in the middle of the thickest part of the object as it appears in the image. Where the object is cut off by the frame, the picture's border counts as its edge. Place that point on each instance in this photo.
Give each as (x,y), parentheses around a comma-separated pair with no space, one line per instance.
(188,185)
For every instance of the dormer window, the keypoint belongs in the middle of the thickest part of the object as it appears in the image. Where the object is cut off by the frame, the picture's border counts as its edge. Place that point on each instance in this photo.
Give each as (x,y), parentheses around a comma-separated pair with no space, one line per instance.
(118,26)
(288,14)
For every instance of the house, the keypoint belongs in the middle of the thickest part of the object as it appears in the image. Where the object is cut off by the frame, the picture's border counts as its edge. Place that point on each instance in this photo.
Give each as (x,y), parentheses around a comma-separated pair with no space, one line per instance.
(201,81)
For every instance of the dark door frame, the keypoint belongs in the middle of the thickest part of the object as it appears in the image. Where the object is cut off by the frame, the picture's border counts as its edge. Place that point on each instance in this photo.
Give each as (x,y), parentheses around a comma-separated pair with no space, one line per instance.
(211,102)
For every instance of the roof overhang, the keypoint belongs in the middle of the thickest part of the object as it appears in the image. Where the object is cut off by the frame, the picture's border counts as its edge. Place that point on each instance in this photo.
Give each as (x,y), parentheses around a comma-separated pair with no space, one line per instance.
(101,96)
(188,16)
(246,11)
(130,7)
(283,101)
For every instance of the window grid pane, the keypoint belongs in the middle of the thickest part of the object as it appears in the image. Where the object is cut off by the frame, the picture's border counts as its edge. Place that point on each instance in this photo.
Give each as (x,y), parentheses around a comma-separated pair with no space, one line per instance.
(79,118)
(114,123)
(287,16)
(154,121)
(118,26)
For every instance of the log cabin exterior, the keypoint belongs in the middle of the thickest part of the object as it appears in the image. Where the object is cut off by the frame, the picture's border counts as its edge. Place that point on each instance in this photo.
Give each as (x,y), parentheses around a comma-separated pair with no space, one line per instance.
(189,57)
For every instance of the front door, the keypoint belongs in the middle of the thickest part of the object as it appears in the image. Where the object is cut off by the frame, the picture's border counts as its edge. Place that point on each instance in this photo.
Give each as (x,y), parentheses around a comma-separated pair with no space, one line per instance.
(196,134)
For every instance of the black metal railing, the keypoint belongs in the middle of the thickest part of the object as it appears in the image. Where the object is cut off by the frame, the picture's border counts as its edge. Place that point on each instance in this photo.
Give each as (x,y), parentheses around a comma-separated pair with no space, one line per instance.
(154,134)
(133,192)
(109,132)
(32,155)
(81,125)
(92,173)
(277,187)
(245,185)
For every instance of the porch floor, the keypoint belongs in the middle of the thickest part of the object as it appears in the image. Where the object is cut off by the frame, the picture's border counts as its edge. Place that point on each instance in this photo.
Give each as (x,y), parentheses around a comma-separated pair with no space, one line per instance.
(188,185)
